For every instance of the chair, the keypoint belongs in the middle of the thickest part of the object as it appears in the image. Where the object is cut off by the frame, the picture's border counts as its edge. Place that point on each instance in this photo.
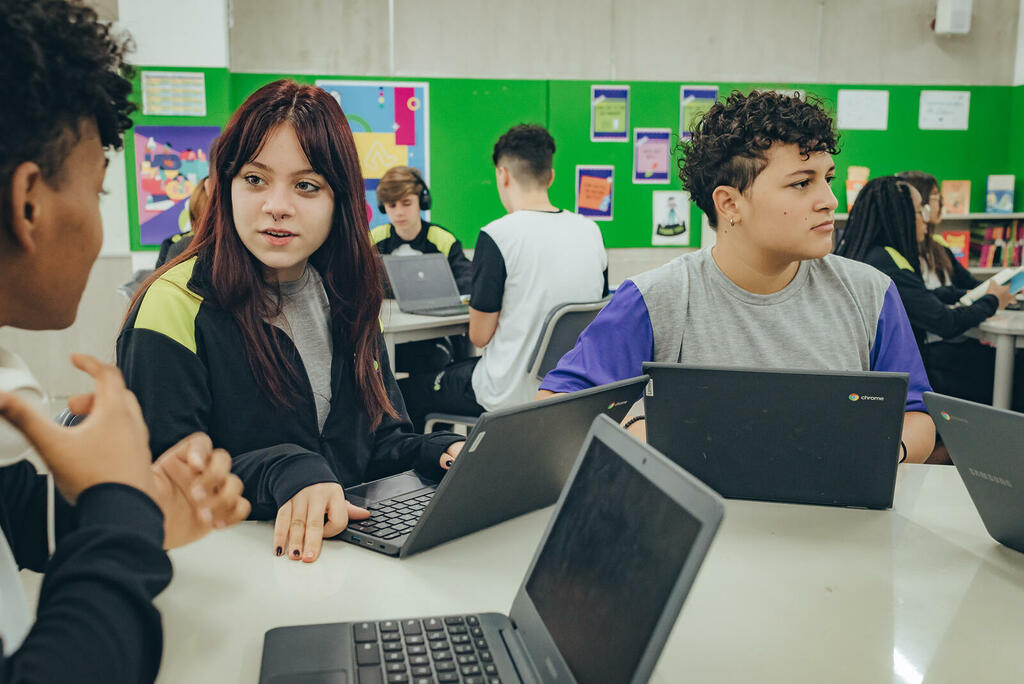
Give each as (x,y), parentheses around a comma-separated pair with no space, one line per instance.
(558,334)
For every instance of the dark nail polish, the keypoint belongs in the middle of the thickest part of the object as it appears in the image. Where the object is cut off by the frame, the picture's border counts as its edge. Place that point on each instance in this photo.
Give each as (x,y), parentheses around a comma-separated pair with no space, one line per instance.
(279,551)
(296,553)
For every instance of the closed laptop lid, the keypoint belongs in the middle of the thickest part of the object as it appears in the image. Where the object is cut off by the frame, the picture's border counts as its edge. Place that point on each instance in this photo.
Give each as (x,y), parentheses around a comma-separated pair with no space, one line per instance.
(422,281)
(623,547)
(781,435)
(986,446)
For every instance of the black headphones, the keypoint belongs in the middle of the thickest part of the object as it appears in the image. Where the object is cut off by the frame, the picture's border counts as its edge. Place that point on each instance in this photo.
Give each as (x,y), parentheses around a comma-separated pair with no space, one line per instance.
(424,194)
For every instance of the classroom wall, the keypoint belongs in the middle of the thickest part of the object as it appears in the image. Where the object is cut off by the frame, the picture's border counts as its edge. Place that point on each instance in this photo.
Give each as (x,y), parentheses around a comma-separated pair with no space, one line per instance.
(819,41)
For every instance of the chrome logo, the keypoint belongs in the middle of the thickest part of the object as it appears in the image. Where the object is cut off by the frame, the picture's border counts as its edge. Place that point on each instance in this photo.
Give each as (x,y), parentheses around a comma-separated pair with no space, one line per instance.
(945,416)
(854,397)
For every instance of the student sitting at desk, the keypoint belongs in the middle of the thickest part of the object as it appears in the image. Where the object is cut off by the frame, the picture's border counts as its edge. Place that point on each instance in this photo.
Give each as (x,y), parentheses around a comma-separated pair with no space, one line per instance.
(264,332)
(888,229)
(402,194)
(100,536)
(768,294)
(527,262)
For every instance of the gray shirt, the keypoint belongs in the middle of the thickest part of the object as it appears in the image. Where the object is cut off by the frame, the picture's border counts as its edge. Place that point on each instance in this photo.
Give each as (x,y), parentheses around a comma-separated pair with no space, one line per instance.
(305,318)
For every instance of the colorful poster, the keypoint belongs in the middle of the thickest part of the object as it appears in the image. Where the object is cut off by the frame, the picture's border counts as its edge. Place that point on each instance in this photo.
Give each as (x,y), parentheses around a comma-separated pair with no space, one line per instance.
(694,101)
(594,192)
(671,218)
(390,123)
(652,155)
(174,93)
(169,162)
(609,113)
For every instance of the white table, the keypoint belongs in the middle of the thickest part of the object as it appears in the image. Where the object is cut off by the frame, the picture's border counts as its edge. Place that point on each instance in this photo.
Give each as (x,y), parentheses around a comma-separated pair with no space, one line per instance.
(399,327)
(1005,331)
(787,594)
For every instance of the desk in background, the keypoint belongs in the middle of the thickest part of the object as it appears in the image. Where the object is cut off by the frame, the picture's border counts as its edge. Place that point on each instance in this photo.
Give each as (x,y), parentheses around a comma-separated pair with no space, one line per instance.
(1005,331)
(788,593)
(399,327)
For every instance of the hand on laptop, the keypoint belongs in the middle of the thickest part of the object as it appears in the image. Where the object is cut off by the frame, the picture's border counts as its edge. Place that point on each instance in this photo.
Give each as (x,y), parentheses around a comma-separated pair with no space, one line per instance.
(300,527)
(196,490)
(450,454)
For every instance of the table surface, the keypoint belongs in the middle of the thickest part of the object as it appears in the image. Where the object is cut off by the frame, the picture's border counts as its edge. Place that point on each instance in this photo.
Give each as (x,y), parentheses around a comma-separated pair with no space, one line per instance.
(1005,323)
(788,593)
(394,319)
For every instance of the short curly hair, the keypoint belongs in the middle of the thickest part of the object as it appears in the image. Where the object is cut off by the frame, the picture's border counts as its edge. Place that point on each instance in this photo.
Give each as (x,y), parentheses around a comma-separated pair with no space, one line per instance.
(528,150)
(730,142)
(59,66)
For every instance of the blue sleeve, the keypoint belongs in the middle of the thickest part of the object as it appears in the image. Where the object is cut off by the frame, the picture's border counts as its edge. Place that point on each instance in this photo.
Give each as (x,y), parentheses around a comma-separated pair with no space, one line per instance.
(895,349)
(613,347)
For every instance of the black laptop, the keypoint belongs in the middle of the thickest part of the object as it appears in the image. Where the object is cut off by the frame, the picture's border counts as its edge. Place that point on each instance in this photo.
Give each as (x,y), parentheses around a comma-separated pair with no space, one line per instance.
(514,461)
(424,284)
(794,436)
(987,448)
(596,606)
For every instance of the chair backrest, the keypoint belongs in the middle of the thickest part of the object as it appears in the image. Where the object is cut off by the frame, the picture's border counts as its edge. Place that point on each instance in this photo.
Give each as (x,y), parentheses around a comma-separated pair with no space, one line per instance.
(561,329)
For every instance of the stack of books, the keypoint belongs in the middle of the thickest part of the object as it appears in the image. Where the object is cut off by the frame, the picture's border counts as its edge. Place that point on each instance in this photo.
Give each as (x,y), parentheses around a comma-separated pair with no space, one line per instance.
(997,245)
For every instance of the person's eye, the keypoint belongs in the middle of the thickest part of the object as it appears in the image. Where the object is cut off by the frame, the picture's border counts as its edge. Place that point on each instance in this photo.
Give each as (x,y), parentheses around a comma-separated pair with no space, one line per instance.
(306,186)
(829,179)
(252,179)
(802,184)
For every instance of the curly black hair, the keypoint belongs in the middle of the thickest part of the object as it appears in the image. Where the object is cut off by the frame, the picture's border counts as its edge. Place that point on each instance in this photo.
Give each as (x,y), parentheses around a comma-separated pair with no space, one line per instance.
(59,66)
(730,142)
(532,148)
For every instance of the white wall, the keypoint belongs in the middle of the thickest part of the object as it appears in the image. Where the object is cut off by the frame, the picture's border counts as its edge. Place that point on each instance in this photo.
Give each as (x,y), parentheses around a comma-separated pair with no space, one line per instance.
(1018,67)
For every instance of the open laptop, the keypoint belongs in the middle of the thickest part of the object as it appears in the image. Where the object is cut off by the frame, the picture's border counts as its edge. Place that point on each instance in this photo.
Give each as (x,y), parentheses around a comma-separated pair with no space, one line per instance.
(985,444)
(794,436)
(515,460)
(602,593)
(424,284)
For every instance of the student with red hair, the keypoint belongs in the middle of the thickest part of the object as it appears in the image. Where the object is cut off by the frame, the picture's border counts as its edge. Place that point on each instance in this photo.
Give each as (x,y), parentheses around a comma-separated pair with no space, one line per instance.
(265,332)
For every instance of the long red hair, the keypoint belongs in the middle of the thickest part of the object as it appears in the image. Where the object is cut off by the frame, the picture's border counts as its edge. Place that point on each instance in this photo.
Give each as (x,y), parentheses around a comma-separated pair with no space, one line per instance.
(347,261)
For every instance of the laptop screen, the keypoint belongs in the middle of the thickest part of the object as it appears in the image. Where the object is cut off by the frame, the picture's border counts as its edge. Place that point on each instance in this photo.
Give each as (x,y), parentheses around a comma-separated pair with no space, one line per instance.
(419,278)
(614,553)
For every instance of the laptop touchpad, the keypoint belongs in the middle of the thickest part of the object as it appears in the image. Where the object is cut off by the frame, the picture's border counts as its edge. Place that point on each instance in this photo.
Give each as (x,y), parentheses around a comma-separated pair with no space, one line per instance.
(333,677)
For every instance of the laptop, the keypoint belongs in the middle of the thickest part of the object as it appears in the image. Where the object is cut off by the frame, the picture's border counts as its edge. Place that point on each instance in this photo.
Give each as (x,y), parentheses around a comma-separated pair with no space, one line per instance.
(810,437)
(423,284)
(514,461)
(602,593)
(985,444)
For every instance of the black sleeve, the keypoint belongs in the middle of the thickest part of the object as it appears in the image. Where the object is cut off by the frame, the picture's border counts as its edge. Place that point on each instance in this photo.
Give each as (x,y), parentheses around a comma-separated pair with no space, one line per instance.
(397,446)
(462,268)
(24,493)
(96,621)
(961,277)
(926,311)
(489,275)
(272,476)
(604,290)
(948,294)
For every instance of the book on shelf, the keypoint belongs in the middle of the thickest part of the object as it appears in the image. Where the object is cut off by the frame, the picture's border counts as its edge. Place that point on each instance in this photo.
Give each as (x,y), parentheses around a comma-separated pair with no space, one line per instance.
(996,245)
(856,179)
(1014,276)
(958,242)
(956,196)
(999,194)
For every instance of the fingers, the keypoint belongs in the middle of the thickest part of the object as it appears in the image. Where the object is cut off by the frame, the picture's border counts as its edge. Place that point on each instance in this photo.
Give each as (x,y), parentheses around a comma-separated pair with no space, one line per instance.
(81,404)
(357,513)
(214,474)
(297,526)
(223,507)
(108,378)
(338,514)
(284,518)
(37,428)
(314,537)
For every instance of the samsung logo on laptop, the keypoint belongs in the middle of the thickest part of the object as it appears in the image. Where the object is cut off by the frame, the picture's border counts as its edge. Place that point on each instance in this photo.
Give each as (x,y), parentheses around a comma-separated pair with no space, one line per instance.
(864,397)
(991,478)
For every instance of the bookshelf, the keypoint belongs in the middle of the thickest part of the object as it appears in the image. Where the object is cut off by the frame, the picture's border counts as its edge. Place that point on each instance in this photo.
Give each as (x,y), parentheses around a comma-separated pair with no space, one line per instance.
(977,219)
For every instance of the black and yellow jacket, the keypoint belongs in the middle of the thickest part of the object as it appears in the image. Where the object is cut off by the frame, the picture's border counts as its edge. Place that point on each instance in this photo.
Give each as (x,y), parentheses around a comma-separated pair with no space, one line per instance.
(927,311)
(432,239)
(184,358)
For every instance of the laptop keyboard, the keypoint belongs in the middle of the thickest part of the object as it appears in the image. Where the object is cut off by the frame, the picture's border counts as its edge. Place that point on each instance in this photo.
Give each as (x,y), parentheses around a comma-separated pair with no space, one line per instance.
(443,311)
(428,651)
(395,517)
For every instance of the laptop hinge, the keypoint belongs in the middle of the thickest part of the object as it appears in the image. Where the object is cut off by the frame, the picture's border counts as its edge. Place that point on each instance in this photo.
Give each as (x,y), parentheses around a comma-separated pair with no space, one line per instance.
(520,658)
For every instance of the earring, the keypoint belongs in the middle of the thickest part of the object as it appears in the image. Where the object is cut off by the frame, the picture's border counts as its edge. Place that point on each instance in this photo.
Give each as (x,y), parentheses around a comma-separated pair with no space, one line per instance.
(731,222)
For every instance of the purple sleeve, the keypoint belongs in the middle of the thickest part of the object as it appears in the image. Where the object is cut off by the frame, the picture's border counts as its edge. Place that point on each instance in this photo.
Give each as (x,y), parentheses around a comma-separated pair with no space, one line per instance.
(895,349)
(613,347)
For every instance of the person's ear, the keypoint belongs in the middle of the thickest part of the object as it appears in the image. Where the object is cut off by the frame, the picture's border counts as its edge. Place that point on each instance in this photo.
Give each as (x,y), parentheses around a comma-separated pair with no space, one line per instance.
(551,179)
(727,201)
(28,200)
(206,185)
(502,175)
